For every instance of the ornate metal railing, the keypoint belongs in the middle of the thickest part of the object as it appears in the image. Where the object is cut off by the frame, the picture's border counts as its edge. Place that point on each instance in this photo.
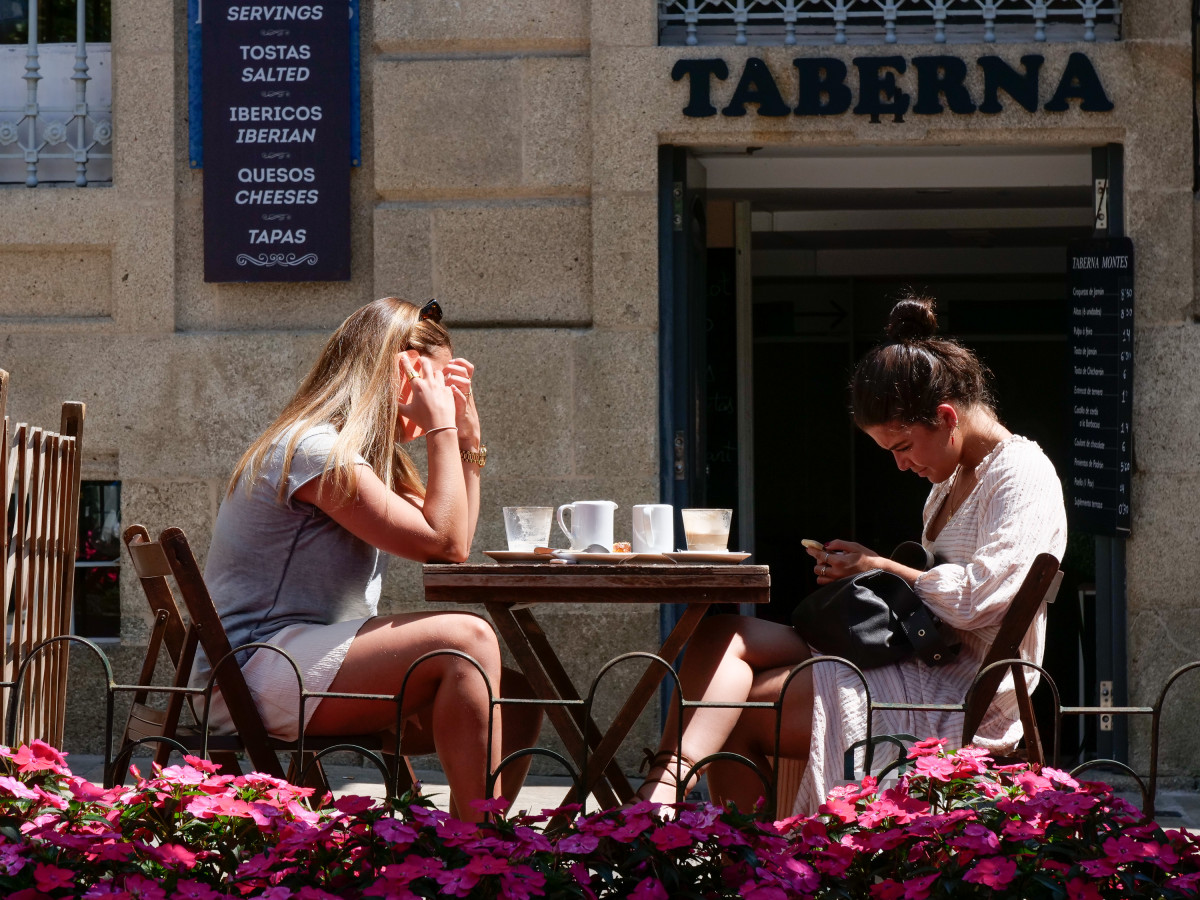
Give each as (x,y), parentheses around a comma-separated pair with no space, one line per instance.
(886,21)
(861,752)
(57,126)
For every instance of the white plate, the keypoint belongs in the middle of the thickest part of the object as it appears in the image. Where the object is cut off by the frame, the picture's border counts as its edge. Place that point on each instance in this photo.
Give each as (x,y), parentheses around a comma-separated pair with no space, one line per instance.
(709,557)
(517,556)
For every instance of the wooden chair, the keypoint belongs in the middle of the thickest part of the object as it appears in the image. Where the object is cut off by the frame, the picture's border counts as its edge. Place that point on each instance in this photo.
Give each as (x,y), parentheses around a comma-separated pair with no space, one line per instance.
(172,555)
(168,631)
(39,528)
(1039,586)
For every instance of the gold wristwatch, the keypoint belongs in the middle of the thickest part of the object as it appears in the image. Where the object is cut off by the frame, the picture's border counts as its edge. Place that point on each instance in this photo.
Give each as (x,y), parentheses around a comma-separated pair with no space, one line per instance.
(479,457)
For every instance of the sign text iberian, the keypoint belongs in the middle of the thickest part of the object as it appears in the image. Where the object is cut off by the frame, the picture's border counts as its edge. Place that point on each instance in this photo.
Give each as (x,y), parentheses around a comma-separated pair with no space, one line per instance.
(276,140)
(823,86)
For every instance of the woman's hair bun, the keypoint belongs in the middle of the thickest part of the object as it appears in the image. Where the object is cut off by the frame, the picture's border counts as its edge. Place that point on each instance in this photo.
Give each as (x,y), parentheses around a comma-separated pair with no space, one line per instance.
(912,319)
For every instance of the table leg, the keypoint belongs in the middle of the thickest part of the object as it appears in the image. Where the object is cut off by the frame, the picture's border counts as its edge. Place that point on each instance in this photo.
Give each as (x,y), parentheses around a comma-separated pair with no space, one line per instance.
(544,688)
(566,689)
(640,696)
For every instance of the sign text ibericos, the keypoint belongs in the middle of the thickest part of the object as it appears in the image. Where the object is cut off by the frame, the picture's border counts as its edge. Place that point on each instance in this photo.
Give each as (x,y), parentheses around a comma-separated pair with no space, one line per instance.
(276,140)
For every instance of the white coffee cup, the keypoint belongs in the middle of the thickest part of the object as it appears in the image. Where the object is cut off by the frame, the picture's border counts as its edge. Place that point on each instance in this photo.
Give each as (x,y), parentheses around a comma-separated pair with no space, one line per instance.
(591,523)
(653,528)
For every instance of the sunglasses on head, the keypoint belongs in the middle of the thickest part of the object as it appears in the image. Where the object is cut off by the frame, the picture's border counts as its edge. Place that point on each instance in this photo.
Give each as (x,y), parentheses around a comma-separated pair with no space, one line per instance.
(432,311)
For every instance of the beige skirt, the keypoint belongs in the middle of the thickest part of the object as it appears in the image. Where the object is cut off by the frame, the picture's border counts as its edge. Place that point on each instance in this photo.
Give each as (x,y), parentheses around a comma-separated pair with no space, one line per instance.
(318,650)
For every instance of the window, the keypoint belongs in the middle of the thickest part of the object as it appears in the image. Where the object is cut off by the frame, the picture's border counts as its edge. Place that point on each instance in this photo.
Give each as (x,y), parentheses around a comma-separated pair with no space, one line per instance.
(98,560)
(57,126)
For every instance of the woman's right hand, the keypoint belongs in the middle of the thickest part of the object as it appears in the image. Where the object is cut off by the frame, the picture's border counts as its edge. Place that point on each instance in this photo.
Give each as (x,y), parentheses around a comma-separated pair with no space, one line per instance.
(430,401)
(841,558)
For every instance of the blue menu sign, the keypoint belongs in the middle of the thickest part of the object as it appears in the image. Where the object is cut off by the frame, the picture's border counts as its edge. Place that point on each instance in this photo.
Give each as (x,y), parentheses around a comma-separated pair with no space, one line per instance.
(1100,298)
(276,140)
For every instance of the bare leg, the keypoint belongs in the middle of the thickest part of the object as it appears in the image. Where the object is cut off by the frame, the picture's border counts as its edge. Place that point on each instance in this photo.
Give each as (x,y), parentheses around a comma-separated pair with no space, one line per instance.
(449,687)
(521,726)
(754,738)
(728,659)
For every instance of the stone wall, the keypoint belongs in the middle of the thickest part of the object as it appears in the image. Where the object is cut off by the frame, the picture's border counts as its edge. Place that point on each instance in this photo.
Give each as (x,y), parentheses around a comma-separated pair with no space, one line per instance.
(509,169)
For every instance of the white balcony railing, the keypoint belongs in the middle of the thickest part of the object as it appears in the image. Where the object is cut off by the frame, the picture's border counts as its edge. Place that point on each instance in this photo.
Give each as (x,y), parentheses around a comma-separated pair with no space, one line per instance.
(687,22)
(55,108)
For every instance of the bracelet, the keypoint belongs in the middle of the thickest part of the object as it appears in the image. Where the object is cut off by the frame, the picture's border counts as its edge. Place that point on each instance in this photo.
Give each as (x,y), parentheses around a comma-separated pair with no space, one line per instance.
(440,428)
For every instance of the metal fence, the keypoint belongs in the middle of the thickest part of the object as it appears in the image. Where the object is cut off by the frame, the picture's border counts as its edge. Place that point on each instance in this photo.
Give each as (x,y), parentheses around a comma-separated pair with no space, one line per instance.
(789,22)
(861,752)
(55,102)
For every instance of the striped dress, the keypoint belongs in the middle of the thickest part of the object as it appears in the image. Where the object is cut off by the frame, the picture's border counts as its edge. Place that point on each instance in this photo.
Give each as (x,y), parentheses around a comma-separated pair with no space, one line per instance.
(1014,512)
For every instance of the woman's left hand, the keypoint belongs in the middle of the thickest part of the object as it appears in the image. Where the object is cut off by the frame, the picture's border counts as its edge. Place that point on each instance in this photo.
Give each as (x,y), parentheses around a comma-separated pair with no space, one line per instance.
(841,558)
(459,374)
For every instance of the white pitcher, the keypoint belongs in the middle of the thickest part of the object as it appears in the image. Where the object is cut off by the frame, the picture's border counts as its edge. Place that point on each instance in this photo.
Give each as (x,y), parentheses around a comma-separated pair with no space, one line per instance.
(591,523)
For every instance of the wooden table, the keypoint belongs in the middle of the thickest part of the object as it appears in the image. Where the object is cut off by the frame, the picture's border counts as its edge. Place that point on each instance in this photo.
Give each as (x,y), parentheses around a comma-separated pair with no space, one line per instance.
(507,592)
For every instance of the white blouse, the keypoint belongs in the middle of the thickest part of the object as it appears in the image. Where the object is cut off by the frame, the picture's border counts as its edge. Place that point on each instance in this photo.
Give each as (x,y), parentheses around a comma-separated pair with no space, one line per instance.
(1014,512)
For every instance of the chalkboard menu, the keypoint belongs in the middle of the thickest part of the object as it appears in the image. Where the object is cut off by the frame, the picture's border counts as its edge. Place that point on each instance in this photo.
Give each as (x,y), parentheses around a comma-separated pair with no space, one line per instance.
(1100,295)
(276,140)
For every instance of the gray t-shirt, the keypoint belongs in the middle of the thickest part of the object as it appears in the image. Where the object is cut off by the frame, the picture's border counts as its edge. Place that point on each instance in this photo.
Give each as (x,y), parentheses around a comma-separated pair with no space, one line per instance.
(276,563)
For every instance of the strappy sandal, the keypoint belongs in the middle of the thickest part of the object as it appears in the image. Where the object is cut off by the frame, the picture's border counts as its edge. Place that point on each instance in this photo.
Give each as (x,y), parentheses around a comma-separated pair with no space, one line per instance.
(665,761)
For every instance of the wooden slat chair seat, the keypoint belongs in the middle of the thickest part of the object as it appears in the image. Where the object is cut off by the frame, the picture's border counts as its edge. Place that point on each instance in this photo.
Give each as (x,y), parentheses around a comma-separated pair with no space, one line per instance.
(171,555)
(39,516)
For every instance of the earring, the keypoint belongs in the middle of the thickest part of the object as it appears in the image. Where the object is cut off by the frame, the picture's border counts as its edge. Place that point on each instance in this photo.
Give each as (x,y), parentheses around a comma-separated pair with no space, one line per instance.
(951,440)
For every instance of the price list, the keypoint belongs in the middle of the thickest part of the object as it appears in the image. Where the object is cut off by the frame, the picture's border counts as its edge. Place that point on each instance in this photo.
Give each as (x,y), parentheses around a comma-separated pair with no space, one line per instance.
(276,104)
(1100,298)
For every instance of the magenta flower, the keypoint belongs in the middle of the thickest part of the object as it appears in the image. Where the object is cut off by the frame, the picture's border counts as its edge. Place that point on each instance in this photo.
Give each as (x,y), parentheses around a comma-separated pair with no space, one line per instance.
(142,888)
(578,844)
(194,890)
(1078,889)
(14,788)
(994,871)
(521,883)
(671,837)
(919,888)
(763,892)
(52,878)
(395,832)
(649,889)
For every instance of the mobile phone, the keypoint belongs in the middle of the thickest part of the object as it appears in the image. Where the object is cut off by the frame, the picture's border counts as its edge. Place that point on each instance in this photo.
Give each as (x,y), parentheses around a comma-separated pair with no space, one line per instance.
(811,544)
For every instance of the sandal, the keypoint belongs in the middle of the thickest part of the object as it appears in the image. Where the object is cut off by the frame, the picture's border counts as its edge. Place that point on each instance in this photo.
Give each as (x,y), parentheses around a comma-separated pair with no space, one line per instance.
(666,761)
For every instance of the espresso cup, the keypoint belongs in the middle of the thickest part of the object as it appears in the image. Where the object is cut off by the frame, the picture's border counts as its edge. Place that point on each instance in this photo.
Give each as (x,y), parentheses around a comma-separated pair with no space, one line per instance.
(707,529)
(591,523)
(653,528)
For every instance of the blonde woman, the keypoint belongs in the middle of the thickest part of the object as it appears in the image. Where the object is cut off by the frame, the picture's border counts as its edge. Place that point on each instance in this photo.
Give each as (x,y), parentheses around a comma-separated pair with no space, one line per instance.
(313,511)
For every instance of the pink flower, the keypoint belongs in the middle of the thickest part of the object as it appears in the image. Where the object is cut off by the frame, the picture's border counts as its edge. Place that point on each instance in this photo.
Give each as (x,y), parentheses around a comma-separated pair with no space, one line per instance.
(15,788)
(39,756)
(142,888)
(763,892)
(938,768)
(671,837)
(520,883)
(976,838)
(52,878)
(578,844)
(194,890)
(993,871)
(1127,850)
(171,856)
(352,804)
(918,888)
(649,889)
(887,890)
(492,805)
(457,882)
(395,832)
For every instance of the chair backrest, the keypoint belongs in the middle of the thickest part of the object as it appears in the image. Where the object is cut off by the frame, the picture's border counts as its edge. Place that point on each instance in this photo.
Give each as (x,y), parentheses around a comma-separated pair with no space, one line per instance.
(212,638)
(1040,586)
(169,631)
(39,493)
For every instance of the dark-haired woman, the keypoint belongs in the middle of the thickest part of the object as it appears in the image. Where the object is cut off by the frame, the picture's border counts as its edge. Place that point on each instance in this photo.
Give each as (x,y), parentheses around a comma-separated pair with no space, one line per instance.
(996,503)
(313,512)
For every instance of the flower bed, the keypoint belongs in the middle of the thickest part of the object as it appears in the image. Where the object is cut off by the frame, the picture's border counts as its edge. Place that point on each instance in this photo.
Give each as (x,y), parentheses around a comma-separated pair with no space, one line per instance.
(955,826)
